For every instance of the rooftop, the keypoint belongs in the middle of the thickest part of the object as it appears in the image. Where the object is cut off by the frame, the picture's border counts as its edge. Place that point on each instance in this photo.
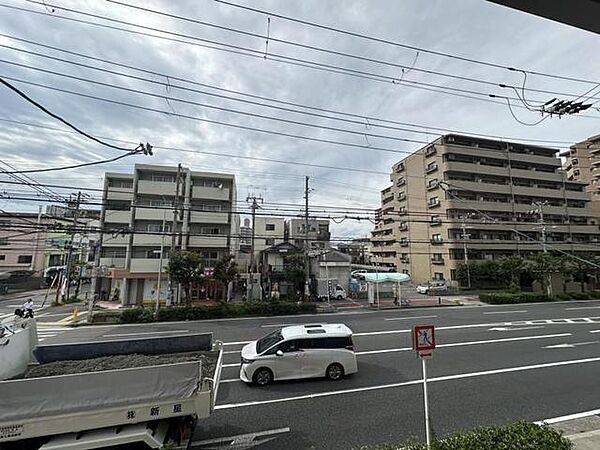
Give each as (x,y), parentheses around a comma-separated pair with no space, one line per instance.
(316,329)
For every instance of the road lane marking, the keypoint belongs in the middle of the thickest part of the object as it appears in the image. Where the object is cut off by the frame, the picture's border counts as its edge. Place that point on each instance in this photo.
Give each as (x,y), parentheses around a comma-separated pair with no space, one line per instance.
(582,307)
(452,344)
(579,415)
(408,318)
(575,344)
(242,441)
(460,344)
(145,332)
(410,383)
(595,331)
(514,329)
(505,312)
(230,381)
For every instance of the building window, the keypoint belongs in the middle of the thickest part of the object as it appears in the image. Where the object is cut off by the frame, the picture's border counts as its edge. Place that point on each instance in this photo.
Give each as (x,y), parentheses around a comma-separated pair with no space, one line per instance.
(270,227)
(438,276)
(210,230)
(157,228)
(162,178)
(270,241)
(431,167)
(210,183)
(430,150)
(2,257)
(24,259)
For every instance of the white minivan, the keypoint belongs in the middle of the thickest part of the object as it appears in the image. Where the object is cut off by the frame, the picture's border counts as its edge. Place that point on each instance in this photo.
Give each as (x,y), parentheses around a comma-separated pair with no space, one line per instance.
(300,351)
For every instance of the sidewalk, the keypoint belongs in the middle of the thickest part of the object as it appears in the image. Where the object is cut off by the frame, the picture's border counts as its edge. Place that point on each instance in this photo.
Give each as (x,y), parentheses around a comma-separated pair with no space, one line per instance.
(453,300)
(584,432)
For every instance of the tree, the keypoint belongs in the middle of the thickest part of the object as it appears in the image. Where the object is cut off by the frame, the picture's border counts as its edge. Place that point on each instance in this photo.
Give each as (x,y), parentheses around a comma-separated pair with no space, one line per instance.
(541,266)
(293,269)
(226,271)
(583,272)
(510,268)
(186,268)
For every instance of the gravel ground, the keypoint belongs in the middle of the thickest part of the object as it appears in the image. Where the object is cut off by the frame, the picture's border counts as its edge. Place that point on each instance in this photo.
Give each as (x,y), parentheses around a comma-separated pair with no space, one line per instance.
(209,361)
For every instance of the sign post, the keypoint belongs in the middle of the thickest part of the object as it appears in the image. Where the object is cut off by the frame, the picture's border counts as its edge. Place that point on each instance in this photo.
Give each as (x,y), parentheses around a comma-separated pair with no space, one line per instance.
(423,337)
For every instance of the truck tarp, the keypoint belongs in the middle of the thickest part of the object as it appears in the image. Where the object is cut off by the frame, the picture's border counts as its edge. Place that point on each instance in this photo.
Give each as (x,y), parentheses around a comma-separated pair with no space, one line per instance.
(36,397)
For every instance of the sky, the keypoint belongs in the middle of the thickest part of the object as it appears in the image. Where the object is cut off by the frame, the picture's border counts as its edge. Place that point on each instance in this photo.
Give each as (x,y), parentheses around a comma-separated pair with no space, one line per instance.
(186,78)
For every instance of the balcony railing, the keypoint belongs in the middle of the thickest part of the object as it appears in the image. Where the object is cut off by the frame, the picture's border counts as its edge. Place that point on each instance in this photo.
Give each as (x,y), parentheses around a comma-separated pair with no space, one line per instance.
(437,260)
(437,241)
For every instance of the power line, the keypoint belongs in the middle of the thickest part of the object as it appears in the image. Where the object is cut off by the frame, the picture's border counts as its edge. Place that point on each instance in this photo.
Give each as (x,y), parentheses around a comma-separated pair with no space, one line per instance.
(364,119)
(325,50)
(402,45)
(231,110)
(236,49)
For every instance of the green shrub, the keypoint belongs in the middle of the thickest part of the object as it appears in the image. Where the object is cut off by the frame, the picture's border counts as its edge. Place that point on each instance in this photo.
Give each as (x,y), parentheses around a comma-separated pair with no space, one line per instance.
(136,315)
(517,436)
(594,295)
(504,298)
(181,313)
(564,296)
(580,295)
(106,317)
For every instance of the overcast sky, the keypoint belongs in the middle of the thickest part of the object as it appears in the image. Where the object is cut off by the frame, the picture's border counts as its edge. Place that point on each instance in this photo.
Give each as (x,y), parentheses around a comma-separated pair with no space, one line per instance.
(471,28)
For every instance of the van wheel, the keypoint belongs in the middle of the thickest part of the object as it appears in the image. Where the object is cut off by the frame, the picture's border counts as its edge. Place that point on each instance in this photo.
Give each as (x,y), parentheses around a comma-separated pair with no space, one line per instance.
(335,372)
(339,297)
(262,377)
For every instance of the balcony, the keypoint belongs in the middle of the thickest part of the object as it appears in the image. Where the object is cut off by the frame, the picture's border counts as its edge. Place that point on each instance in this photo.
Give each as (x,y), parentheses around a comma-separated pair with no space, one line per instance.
(208,241)
(405,260)
(115,241)
(117,216)
(399,168)
(403,227)
(114,193)
(401,182)
(403,243)
(210,193)
(154,213)
(117,263)
(433,203)
(431,168)
(433,185)
(151,239)
(431,150)
(436,222)
(209,217)
(438,261)
(402,212)
(437,241)
(155,187)
(146,264)
(401,196)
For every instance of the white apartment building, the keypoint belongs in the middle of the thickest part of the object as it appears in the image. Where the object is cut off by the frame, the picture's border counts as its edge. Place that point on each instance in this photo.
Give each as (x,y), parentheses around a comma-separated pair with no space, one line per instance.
(268,231)
(138,217)
(318,233)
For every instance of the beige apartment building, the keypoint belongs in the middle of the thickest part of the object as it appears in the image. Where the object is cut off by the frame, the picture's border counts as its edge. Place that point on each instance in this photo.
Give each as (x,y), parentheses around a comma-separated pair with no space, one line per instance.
(486,188)
(268,231)
(582,163)
(135,208)
(318,233)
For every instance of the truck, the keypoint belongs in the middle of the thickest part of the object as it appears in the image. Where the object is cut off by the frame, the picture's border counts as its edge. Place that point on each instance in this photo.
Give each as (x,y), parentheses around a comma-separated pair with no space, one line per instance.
(331,286)
(120,394)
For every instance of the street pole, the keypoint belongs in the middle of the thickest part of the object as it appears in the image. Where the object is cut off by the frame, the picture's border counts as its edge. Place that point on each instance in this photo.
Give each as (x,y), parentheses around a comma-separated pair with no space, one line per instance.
(306,259)
(254,206)
(327,277)
(540,211)
(70,253)
(160,264)
(174,225)
(37,240)
(426,402)
(466,251)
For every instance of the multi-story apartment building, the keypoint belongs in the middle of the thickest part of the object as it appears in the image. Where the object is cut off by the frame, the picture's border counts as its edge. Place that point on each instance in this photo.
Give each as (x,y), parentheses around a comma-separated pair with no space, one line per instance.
(268,231)
(135,208)
(582,163)
(491,187)
(318,233)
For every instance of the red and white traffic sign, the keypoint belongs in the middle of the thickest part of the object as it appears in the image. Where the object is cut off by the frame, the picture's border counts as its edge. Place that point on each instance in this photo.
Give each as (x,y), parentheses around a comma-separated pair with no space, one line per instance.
(424,339)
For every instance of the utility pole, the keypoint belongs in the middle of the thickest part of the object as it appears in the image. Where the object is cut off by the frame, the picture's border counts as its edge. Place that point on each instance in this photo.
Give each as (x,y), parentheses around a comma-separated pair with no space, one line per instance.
(160,263)
(70,253)
(174,225)
(306,259)
(37,240)
(254,206)
(464,237)
(539,210)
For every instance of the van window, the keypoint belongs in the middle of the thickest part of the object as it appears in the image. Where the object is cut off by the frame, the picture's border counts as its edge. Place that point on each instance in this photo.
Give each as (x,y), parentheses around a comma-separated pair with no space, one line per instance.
(326,342)
(269,340)
(285,347)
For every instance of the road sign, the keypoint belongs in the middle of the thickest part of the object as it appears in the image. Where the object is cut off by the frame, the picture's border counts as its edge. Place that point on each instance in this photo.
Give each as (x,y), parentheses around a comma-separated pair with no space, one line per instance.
(424,339)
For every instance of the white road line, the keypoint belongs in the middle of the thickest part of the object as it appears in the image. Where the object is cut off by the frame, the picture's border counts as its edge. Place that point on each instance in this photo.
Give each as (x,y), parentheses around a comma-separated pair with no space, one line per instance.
(595,331)
(231,365)
(460,344)
(505,312)
(242,440)
(514,329)
(580,415)
(408,318)
(237,343)
(410,383)
(582,307)
(230,381)
(145,332)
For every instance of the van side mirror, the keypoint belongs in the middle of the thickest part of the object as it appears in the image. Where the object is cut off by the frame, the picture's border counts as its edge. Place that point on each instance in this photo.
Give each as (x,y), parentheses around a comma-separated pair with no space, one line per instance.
(279,353)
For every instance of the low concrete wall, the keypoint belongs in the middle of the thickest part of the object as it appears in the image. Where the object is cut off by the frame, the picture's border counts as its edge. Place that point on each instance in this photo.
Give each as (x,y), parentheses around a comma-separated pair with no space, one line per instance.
(147,346)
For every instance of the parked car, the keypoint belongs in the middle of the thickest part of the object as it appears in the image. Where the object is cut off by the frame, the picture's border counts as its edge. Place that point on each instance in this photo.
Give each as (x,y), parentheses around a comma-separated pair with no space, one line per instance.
(300,351)
(433,288)
(360,274)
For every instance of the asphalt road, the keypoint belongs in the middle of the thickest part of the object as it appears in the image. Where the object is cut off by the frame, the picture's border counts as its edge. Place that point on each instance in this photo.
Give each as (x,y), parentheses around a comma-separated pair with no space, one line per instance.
(493,365)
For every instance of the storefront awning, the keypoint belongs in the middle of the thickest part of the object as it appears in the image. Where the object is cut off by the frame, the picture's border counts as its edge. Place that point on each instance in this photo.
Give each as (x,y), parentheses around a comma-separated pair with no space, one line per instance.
(386,277)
